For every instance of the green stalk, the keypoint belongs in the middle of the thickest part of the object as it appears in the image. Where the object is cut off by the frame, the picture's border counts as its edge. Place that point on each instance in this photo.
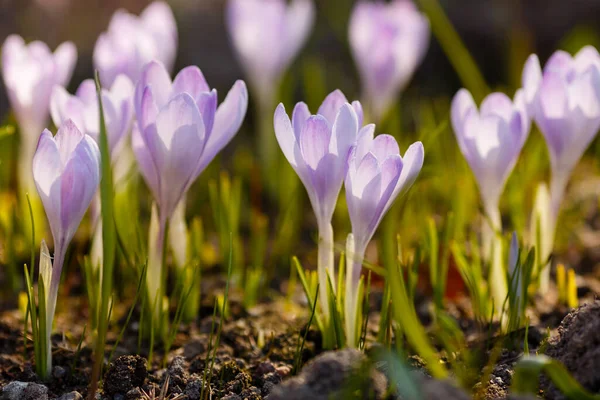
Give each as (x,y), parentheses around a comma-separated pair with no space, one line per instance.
(109,244)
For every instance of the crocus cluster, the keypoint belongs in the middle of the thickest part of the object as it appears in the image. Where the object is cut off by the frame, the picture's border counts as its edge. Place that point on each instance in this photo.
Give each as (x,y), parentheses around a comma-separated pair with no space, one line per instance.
(131,42)
(328,149)
(30,71)
(564,100)
(317,147)
(388,41)
(66,170)
(179,131)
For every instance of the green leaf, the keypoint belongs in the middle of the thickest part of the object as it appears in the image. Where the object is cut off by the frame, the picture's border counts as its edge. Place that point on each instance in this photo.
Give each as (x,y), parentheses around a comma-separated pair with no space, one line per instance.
(109,239)
(528,370)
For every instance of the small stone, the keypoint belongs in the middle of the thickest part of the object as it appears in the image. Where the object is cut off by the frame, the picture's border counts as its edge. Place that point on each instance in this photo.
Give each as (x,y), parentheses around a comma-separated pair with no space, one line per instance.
(58,372)
(17,390)
(119,397)
(71,396)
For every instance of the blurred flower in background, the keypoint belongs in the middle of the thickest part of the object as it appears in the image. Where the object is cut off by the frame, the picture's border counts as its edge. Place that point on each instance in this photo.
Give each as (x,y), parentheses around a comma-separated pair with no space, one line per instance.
(82,109)
(267,35)
(388,42)
(131,42)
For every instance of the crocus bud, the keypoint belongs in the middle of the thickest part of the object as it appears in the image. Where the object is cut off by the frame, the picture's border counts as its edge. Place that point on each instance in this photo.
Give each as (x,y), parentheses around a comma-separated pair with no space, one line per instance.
(388,42)
(180,130)
(66,171)
(131,42)
(82,109)
(490,140)
(267,35)
(376,176)
(317,147)
(564,101)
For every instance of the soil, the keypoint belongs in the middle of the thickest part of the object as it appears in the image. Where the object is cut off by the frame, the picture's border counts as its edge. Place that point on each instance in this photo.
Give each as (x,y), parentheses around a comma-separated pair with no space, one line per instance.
(577,347)
(257,351)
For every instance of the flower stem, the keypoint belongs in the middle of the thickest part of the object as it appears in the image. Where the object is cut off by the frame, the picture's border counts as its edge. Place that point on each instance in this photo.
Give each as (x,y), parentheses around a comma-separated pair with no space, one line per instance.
(51,296)
(354,256)
(497,276)
(325,266)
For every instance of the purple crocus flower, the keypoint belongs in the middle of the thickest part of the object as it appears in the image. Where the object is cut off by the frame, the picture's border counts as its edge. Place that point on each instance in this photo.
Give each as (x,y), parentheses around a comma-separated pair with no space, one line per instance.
(179,131)
(131,42)
(564,100)
(267,35)
(491,140)
(388,42)
(30,71)
(82,109)
(376,176)
(317,147)
(66,171)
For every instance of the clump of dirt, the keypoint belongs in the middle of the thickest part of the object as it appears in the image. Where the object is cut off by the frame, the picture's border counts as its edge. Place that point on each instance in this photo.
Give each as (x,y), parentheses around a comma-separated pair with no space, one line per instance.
(334,374)
(125,374)
(577,347)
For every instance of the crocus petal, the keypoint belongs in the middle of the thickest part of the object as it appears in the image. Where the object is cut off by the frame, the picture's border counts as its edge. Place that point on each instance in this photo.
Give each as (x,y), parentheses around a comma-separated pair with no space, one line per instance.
(358,109)
(176,143)
(331,105)
(47,167)
(551,111)
(412,163)
(560,63)
(190,80)
(300,115)
(66,171)
(79,182)
(585,58)
(153,75)
(65,57)
(63,106)
(148,110)
(363,191)
(285,135)
(145,162)
(314,140)
(462,103)
(384,146)
(364,141)
(532,76)
(207,105)
(497,104)
(227,122)
(344,131)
